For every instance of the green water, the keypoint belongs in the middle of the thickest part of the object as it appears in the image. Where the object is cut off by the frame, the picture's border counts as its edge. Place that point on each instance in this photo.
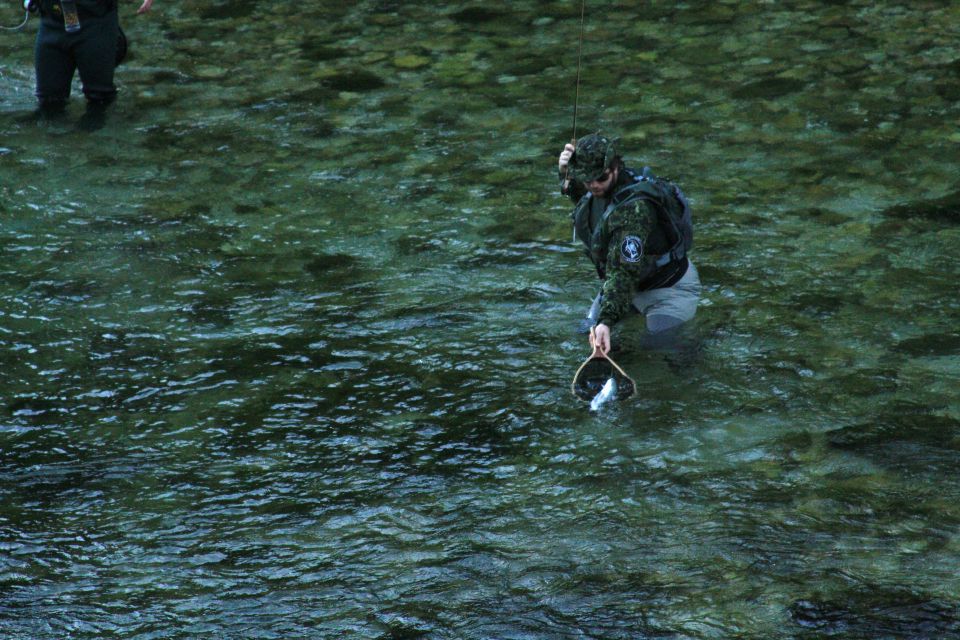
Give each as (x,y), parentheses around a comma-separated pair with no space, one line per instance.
(285,348)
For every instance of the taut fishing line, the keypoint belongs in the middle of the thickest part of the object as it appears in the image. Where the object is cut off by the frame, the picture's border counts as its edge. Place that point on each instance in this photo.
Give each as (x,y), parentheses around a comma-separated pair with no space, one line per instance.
(576,99)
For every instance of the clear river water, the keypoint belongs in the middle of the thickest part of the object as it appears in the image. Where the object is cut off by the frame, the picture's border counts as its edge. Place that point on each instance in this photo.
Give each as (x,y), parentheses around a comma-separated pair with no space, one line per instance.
(286,346)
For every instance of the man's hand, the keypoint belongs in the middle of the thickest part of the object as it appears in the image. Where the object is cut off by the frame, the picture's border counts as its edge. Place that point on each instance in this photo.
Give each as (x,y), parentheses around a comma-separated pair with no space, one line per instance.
(601,338)
(565,156)
(145,6)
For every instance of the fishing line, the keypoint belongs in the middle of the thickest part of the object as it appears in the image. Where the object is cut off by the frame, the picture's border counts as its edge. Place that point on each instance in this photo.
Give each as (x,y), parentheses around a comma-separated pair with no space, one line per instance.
(26,17)
(576,99)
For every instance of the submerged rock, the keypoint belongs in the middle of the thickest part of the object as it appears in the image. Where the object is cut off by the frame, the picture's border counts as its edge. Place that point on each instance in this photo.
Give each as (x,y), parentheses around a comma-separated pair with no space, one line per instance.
(821,303)
(768,88)
(414,245)
(212,310)
(312,95)
(354,80)
(880,613)
(820,215)
(315,52)
(946,209)
(864,383)
(949,89)
(411,61)
(896,429)
(474,15)
(940,344)
(327,262)
(210,72)
(232,9)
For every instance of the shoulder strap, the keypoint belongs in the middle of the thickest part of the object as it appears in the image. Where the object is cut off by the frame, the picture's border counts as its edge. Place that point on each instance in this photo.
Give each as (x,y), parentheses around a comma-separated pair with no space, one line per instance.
(645,187)
(638,190)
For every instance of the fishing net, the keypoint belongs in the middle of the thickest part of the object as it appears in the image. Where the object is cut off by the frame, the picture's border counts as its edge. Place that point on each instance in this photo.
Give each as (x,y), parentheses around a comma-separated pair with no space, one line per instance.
(594,373)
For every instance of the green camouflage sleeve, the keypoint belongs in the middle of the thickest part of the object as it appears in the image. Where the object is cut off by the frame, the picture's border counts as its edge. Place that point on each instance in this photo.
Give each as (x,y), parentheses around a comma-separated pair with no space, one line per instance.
(575,189)
(628,262)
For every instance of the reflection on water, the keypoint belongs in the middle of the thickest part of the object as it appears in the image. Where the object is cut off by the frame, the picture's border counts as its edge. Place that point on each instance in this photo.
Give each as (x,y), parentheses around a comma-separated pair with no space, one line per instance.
(287,345)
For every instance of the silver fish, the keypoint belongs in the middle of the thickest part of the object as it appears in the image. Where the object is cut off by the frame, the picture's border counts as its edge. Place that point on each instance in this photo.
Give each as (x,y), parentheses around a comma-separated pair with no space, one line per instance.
(608,391)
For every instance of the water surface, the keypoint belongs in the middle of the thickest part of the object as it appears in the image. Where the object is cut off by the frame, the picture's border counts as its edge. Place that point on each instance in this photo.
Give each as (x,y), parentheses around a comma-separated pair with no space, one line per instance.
(286,346)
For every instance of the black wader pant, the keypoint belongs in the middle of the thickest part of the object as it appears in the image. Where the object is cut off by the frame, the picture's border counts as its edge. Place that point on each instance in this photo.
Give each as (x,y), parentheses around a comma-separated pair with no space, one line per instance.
(92,51)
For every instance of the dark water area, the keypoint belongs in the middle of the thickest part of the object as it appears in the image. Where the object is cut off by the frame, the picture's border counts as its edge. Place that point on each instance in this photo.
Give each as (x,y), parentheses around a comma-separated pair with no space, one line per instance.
(286,346)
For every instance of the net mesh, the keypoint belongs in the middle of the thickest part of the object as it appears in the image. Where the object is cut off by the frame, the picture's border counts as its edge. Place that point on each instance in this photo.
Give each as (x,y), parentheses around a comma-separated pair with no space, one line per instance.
(594,374)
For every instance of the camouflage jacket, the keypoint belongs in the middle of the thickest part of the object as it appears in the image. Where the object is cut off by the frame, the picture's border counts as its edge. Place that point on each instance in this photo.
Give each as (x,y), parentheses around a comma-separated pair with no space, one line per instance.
(624,245)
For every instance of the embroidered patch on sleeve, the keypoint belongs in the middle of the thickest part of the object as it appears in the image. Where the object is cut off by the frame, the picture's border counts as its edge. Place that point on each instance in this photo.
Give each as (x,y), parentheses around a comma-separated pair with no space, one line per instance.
(631,249)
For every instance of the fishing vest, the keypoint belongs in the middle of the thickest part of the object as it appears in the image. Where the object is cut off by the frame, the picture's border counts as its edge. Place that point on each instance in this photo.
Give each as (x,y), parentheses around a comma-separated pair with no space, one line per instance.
(88,8)
(673,215)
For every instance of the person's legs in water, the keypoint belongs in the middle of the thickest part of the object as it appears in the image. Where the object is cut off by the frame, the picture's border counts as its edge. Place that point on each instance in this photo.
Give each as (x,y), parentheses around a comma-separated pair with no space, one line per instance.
(667,309)
(54,65)
(96,60)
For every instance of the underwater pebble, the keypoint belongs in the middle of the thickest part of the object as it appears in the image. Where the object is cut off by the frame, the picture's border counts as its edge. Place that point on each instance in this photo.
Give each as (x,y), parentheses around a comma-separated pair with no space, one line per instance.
(411,61)
(208,72)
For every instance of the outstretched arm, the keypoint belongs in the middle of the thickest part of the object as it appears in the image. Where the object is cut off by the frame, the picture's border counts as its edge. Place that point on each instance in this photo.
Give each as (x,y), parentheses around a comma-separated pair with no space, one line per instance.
(627,262)
(145,7)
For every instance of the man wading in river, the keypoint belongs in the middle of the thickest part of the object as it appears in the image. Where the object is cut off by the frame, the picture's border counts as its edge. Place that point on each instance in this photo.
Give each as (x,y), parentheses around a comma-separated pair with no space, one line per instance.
(637,229)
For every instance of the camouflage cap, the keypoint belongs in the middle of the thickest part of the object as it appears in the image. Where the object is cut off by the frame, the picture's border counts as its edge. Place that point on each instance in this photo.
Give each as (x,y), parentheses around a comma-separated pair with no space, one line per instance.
(593,156)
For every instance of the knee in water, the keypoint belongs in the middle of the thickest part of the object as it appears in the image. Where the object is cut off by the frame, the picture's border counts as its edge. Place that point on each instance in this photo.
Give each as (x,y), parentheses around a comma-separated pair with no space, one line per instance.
(660,323)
